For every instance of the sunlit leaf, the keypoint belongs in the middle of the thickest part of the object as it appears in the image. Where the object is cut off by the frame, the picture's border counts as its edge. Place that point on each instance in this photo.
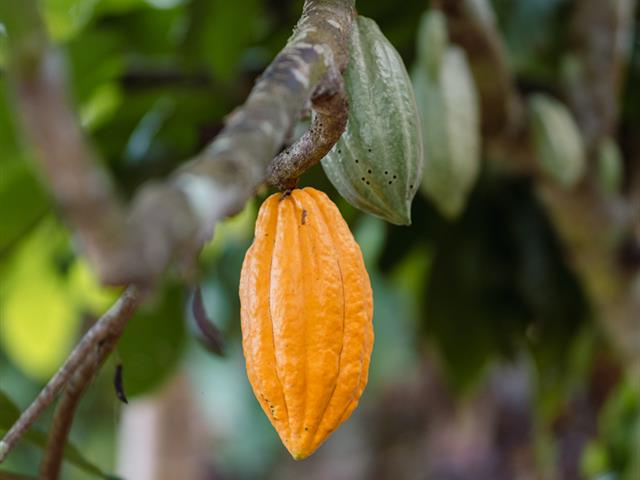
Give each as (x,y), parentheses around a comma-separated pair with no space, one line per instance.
(86,289)
(65,18)
(38,317)
(101,106)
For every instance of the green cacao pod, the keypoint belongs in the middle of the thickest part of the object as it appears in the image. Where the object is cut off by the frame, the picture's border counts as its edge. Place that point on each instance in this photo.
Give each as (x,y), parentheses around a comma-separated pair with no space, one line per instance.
(377,163)
(449,111)
(557,140)
(432,41)
(610,166)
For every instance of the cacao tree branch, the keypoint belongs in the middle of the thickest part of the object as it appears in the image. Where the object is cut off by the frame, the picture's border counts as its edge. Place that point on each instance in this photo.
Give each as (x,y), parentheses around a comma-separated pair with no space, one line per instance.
(63,416)
(84,361)
(330,114)
(171,219)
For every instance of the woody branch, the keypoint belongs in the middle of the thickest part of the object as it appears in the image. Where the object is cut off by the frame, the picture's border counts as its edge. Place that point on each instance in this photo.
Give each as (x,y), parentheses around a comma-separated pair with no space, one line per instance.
(167,220)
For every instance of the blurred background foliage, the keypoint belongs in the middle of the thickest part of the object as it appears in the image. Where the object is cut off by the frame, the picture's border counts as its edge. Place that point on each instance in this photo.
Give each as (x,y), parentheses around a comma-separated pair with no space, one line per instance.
(489,356)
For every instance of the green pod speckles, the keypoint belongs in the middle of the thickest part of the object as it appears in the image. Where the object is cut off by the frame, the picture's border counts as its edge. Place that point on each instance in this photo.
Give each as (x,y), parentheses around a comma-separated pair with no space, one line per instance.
(449,109)
(557,140)
(377,163)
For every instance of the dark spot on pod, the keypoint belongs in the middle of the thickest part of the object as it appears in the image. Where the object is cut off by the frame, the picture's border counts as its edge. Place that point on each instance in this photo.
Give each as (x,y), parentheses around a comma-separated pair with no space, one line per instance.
(339,151)
(363,179)
(306,429)
(368,183)
(369,171)
(357,161)
(410,186)
(369,150)
(394,177)
(386,172)
(304,217)
(390,182)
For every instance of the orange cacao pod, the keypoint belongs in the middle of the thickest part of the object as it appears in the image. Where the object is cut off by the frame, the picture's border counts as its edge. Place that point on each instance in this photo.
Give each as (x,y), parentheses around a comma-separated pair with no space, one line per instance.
(307,309)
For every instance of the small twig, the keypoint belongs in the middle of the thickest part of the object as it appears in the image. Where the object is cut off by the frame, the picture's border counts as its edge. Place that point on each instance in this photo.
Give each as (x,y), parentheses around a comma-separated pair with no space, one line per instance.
(330,114)
(64,415)
(103,334)
(68,403)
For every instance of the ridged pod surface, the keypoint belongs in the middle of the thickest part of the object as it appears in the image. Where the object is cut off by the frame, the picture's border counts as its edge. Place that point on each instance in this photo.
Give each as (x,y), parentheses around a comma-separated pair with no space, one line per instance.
(307,310)
(377,163)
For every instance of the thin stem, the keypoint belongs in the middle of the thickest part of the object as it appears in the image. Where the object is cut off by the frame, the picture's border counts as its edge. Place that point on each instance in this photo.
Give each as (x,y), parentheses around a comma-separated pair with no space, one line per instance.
(330,114)
(104,333)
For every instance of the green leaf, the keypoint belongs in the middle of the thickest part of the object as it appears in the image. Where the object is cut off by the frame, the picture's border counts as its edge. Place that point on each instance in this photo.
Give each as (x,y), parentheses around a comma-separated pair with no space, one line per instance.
(224,30)
(9,413)
(535,33)
(19,186)
(153,342)
(499,283)
(40,317)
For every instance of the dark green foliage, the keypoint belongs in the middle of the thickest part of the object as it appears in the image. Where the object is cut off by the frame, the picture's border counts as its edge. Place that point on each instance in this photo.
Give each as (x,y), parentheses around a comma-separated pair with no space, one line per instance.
(499,281)
(9,413)
(154,341)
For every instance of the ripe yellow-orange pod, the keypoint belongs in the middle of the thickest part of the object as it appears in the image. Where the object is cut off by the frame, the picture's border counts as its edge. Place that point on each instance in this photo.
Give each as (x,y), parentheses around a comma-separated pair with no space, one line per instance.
(307,310)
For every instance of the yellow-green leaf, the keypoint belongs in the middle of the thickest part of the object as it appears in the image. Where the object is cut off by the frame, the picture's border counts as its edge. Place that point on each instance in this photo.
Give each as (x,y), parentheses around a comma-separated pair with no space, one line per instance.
(38,317)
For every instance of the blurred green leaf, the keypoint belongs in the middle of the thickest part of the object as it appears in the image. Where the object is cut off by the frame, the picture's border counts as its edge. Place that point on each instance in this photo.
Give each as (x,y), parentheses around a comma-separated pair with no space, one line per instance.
(223,30)
(498,283)
(39,317)
(101,106)
(9,413)
(3,45)
(10,149)
(153,342)
(370,235)
(88,75)
(65,18)
(535,32)
(19,186)
(620,423)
